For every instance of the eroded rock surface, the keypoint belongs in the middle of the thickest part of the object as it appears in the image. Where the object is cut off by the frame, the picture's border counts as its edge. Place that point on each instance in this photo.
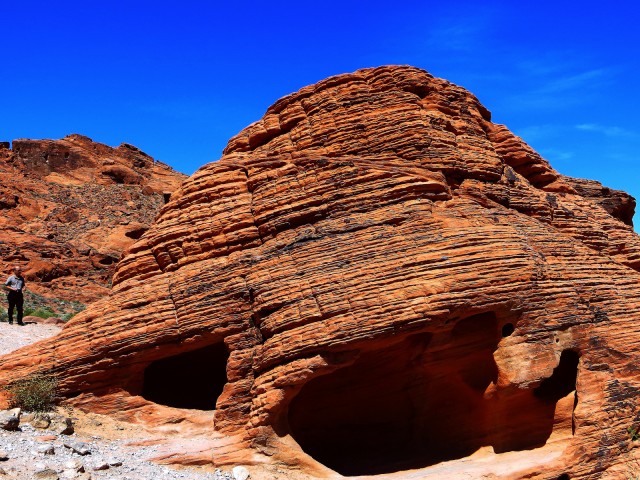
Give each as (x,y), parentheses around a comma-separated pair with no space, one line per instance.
(374,278)
(70,207)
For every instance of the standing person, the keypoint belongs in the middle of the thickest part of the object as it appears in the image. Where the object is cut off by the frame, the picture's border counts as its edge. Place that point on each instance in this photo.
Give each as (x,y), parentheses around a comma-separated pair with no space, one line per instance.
(14,286)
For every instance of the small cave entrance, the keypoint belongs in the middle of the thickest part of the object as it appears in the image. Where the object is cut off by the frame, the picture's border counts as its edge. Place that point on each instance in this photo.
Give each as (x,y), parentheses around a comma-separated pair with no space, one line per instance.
(526,418)
(563,380)
(418,403)
(193,379)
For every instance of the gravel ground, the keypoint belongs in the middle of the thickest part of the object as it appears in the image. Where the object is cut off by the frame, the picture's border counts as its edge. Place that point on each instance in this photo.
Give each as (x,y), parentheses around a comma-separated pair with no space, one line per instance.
(13,337)
(31,450)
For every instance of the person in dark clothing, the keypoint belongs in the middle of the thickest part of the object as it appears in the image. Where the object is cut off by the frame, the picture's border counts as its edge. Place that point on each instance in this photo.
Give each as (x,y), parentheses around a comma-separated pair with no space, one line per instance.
(14,286)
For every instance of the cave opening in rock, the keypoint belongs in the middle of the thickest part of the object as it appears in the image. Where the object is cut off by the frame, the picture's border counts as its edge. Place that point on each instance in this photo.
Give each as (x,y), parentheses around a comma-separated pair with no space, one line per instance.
(193,379)
(401,407)
(526,418)
(563,380)
(507,329)
(420,402)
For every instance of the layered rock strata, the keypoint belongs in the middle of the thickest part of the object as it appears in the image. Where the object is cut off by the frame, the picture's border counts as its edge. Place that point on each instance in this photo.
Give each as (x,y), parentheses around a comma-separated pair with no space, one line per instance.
(70,207)
(374,278)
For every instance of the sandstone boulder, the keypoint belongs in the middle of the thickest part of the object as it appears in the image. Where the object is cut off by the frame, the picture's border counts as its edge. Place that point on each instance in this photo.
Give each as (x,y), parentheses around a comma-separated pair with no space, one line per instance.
(373,278)
(10,419)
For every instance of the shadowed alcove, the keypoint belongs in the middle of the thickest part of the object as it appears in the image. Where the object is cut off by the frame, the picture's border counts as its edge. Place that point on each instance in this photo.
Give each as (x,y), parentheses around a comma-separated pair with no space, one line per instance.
(192,379)
(413,404)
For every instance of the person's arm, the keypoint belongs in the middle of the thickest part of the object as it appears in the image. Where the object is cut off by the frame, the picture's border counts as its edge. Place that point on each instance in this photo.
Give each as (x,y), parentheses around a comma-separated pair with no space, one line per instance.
(7,287)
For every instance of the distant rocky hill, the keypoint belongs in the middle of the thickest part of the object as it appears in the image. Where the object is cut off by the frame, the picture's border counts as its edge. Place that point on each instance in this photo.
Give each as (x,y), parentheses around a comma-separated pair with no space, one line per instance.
(70,207)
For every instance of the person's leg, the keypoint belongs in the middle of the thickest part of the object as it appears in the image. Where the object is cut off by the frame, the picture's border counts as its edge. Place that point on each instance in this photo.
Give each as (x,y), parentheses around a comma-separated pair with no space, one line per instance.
(19,304)
(11,306)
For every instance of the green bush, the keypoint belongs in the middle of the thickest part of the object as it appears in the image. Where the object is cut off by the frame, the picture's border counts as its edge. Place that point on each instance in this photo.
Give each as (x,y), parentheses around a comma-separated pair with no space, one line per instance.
(36,393)
(38,306)
(42,312)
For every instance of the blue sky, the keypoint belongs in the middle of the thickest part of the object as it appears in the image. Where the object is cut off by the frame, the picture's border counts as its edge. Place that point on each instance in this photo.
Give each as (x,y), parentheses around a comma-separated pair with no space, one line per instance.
(178,79)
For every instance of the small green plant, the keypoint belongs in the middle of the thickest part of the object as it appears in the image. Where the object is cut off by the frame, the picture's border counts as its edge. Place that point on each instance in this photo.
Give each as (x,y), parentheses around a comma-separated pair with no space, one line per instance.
(35,393)
(42,312)
(634,432)
(68,316)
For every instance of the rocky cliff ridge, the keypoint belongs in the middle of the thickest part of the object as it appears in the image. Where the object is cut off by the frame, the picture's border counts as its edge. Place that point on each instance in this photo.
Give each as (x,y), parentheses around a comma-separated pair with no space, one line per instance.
(70,207)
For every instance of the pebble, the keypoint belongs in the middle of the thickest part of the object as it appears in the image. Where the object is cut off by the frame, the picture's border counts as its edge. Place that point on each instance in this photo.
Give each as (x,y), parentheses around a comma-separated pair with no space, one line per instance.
(240,473)
(10,419)
(46,474)
(41,421)
(75,465)
(62,426)
(46,449)
(80,448)
(220,475)
(101,466)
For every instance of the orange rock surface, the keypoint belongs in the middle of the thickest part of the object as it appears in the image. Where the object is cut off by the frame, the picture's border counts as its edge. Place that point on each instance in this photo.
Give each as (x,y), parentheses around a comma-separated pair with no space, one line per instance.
(70,207)
(374,279)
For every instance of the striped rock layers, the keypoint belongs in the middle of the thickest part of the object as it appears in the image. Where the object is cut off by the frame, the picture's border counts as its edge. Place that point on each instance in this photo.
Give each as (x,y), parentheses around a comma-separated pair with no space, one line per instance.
(374,278)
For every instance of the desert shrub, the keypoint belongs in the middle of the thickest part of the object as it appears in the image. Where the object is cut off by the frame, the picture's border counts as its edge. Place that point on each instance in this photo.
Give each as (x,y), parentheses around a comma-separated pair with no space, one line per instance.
(42,312)
(35,393)
(39,306)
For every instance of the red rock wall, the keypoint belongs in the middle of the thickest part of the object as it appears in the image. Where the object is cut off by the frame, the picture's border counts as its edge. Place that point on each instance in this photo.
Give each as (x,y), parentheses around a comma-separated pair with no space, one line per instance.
(386,266)
(70,207)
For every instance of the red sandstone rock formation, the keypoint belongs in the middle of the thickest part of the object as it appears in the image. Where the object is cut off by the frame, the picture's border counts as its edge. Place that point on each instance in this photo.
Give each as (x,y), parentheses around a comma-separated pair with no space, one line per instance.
(374,278)
(70,207)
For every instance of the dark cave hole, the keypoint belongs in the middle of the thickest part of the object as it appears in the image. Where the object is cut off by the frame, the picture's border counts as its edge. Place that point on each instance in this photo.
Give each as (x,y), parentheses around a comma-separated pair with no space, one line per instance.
(507,329)
(402,407)
(563,380)
(136,233)
(107,261)
(411,405)
(564,476)
(192,379)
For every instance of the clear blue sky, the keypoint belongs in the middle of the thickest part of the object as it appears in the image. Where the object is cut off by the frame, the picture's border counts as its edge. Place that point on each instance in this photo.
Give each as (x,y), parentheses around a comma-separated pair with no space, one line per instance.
(178,79)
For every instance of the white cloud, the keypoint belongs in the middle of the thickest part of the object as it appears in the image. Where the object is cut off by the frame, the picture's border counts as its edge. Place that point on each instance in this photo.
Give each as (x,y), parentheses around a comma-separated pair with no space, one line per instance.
(609,131)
